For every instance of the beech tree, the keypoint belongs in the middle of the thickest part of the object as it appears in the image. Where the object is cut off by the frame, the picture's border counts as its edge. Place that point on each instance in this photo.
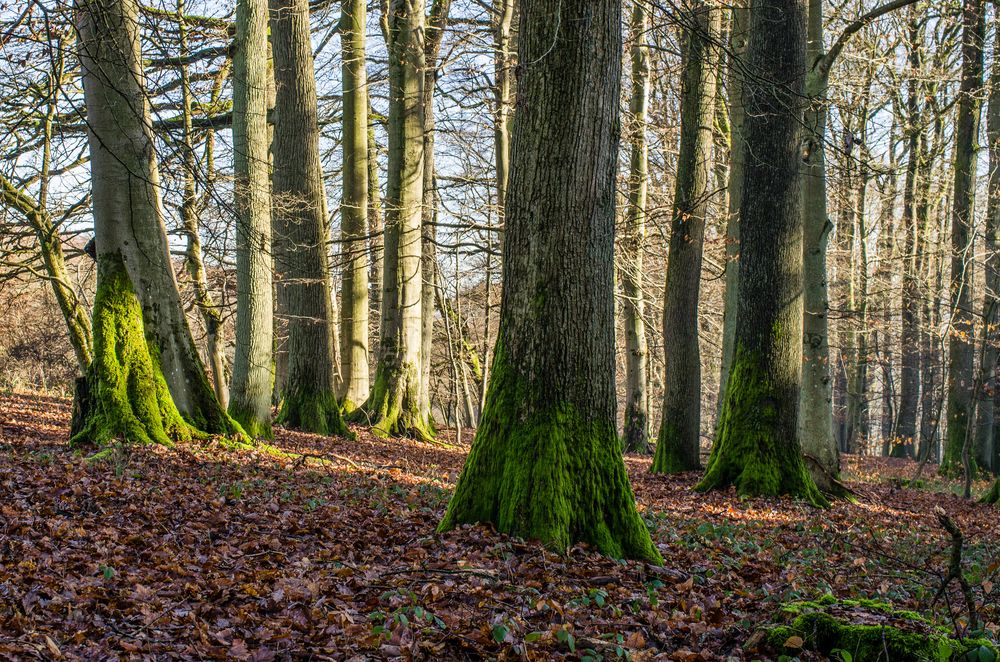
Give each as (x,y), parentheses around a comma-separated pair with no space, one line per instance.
(146,382)
(253,359)
(961,340)
(757,445)
(678,444)
(636,430)
(394,406)
(546,462)
(309,399)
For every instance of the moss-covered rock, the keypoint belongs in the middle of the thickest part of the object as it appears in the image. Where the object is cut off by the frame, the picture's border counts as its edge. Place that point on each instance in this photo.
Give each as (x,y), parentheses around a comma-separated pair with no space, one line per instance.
(869,631)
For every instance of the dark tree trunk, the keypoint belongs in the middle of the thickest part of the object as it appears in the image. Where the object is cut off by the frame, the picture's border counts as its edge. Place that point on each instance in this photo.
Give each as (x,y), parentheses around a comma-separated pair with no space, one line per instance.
(757,445)
(546,461)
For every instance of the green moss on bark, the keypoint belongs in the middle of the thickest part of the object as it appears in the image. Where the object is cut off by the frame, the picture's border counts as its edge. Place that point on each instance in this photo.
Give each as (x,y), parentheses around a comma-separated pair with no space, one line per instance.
(822,632)
(670,456)
(313,412)
(250,423)
(993,496)
(392,408)
(747,453)
(549,475)
(128,395)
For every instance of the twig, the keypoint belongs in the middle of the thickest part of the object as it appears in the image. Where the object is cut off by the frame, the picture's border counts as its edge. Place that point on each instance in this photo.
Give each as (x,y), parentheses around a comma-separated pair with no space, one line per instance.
(955,569)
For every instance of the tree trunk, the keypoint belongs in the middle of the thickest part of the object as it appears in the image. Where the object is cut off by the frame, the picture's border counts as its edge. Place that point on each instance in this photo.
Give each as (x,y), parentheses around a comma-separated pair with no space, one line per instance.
(375,232)
(909,336)
(354,208)
(309,400)
(636,429)
(678,444)
(546,462)
(757,446)
(207,308)
(737,138)
(962,332)
(437,23)
(394,405)
(985,440)
(146,381)
(816,400)
(253,362)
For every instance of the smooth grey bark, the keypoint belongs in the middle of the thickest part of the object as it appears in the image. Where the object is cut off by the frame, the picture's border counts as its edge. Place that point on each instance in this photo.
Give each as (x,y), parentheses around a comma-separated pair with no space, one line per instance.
(193,261)
(394,404)
(961,341)
(253,359)
(636,428)
(143,346)
(678,444)
(816,400)
(546,462)
(354,204)
(309,399)
(737,52)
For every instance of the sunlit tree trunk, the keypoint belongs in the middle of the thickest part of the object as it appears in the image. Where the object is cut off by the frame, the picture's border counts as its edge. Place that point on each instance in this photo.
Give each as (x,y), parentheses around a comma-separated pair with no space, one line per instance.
(757,446)
(546,462)
(678,443)
(354,208)
(146,382)
(301,233)
(636,429)
(961,341)
(394,404)
(253,360)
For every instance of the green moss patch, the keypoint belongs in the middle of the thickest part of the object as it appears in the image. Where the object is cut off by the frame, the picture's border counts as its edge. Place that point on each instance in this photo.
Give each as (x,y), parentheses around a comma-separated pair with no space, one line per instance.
(869,631)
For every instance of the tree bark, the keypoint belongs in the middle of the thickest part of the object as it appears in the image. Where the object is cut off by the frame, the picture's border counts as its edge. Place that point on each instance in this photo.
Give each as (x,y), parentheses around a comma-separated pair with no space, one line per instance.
(354,208)
(253,360)
(394,404)
(546,462)
(962,333)
(636,429)
(146,379)
(678,444)
(309,399)
(757,446)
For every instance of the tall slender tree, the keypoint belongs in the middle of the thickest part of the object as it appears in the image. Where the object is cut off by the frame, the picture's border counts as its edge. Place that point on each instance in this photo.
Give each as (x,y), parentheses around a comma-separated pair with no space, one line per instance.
(146,382)
(253,359)
(354,305)
(960,343)
(394,404)
(757,445)
(546,462)
(678,445)
(309,401)
(636,429)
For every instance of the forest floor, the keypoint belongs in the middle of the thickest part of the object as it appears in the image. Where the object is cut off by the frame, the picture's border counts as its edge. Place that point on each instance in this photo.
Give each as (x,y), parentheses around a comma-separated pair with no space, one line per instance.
(206,553)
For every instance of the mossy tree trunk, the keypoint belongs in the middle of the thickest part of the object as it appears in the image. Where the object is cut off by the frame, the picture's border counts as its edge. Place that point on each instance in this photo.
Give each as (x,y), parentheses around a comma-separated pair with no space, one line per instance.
(546,462)
(394,404)
(309,399)
(146,382)
(253,360)
(737,52)
(985,407)
(632,244)
(961,341)
(354,305)
(757,446)
(678,443)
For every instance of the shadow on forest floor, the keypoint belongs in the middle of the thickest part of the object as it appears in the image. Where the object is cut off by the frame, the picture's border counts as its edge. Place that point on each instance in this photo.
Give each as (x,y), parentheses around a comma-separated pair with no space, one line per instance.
(206,553)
